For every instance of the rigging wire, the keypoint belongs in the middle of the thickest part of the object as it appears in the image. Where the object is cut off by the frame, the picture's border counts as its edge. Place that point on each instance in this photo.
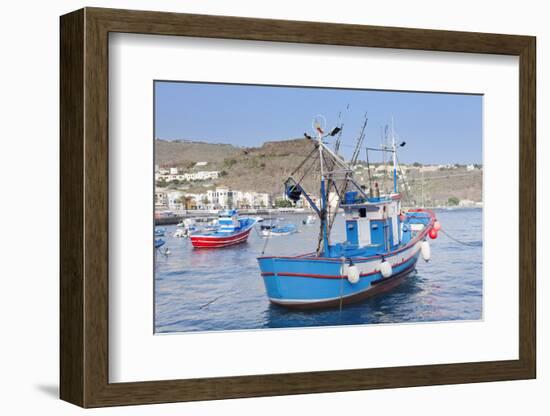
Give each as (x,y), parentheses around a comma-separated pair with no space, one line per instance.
(368,171)
(304,161)
(405,184)
(306,171)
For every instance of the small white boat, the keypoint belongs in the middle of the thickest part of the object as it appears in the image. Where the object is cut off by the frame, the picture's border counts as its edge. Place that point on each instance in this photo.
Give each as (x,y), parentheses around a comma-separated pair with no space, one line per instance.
(181,233)
(270,230)
(310,219)
(185,232)
(187,222)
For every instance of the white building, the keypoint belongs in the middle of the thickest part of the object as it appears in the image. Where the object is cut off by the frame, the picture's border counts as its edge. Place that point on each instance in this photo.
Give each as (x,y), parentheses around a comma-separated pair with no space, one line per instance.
(220,198)
(174,171)
(174,200)
(447,166)
(202,175)
(250,199)
(193,176)
(161,199)
(224,198)
(429,168)
(466,203)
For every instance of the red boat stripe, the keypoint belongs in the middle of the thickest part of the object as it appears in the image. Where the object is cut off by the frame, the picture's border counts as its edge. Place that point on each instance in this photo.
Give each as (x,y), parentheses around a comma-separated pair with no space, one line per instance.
(216,238)
(203,241)
(213,239)
(328,276)
(214,243)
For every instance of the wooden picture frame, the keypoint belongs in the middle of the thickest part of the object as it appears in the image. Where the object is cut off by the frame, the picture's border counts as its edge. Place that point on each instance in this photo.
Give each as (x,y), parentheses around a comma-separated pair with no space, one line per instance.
(84,207)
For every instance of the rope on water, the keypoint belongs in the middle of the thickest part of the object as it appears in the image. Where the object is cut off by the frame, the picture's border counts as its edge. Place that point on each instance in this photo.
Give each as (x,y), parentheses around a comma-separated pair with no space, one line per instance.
(464,243)
(268,235)
(266,241)
(209,303)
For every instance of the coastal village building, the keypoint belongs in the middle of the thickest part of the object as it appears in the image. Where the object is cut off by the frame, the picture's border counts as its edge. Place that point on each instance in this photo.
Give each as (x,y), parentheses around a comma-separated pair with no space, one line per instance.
(466,203)
(161,200)
(190,176)
(218,198)
(169,199)
(224,198)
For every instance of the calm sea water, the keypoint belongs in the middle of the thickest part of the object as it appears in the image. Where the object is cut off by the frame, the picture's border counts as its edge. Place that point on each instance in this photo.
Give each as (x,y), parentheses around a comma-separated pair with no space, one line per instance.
(214,290)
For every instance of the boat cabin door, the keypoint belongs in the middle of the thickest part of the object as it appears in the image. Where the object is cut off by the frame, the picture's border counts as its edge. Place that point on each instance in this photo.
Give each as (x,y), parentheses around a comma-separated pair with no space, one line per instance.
(363,228)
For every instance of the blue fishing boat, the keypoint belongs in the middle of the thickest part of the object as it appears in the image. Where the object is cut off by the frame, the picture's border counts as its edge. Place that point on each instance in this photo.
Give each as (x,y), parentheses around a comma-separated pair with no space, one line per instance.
(231,230)
(159,242)
(274,230)
(382,243)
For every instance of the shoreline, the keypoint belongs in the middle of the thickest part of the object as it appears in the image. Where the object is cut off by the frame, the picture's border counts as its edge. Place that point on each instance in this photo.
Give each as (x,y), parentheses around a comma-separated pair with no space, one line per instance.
(180,215)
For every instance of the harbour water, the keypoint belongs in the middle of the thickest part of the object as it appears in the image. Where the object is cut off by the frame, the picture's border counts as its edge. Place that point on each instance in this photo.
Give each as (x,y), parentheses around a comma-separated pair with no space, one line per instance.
(221,289)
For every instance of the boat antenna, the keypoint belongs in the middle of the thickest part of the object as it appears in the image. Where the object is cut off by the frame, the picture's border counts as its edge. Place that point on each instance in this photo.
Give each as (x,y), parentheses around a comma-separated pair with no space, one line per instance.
(359,142)
(341,125)
(339,137)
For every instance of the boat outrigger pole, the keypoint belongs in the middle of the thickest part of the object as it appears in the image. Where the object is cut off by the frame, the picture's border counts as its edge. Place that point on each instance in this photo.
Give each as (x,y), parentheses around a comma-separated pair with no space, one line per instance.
(394,158)
(393,150)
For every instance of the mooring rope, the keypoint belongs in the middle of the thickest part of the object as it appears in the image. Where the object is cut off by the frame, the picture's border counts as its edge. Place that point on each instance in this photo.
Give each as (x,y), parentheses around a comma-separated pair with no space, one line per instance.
(464,243)
(268,235)
(210,302)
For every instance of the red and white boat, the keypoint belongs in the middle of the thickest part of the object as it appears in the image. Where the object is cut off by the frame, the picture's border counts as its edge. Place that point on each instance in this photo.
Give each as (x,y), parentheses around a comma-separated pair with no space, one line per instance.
(231,230)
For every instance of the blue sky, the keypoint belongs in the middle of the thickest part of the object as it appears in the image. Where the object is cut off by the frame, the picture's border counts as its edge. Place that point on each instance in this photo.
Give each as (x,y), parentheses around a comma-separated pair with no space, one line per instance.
(438,128)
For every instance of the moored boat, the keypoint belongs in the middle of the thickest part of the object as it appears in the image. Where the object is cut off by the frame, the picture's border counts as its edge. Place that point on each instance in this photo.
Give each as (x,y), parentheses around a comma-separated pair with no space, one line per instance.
(231,230)
(309,220)
(274,230)
(381,247)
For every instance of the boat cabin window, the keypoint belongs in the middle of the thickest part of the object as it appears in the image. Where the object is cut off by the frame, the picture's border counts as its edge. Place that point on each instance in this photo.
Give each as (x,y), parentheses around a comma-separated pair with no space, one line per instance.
(362,212)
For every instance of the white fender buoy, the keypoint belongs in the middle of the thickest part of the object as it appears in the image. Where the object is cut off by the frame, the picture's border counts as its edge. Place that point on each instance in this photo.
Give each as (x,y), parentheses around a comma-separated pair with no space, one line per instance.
(425,250)
(385,269)
(353,274)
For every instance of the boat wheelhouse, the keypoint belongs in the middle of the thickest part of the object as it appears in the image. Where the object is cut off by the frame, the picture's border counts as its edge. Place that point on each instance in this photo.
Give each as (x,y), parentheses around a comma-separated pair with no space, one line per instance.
(381,247)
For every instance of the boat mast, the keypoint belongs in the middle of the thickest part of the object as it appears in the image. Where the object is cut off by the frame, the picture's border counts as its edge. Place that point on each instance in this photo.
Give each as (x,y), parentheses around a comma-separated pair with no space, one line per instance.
(394,150)
(324,197)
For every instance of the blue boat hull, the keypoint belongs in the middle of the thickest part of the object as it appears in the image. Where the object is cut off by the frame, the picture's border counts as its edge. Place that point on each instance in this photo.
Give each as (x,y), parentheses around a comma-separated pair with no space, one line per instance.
(310,281)
(308,284)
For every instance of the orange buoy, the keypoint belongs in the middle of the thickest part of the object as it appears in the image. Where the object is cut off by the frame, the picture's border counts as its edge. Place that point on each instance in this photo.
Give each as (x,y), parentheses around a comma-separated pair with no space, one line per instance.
(432,233)
(437,225)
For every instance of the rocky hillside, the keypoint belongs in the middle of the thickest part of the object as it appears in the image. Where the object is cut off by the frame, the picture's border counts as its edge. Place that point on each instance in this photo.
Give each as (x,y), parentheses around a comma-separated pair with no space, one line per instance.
(185,153)
(263,169)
